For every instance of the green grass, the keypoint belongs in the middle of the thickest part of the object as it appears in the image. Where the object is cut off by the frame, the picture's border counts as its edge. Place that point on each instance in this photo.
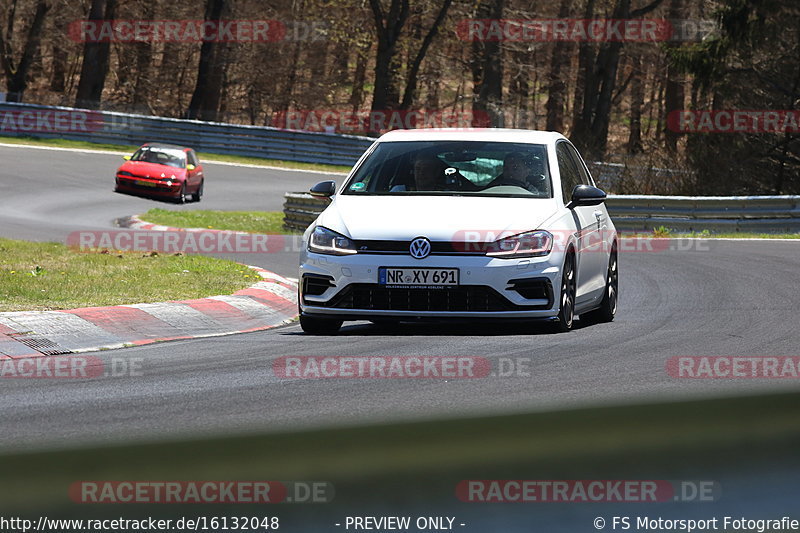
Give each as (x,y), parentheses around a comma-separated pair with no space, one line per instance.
(664,232)
(47,276)
(63,143)
(270,222)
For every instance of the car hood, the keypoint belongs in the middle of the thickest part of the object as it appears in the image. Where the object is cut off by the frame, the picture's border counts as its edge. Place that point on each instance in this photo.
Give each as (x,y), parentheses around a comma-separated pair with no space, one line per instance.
(439,218)
(151,170)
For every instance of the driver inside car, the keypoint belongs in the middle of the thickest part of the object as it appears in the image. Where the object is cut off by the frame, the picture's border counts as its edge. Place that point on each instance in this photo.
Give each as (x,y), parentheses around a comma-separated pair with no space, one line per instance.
(429,173)
(518,171)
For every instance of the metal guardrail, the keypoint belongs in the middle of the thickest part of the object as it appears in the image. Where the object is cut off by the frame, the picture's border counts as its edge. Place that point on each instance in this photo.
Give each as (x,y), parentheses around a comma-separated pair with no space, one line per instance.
(644,213)
(209,137)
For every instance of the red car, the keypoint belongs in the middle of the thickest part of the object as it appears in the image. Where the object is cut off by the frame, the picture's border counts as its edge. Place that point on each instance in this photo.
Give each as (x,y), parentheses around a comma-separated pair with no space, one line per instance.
(163,171)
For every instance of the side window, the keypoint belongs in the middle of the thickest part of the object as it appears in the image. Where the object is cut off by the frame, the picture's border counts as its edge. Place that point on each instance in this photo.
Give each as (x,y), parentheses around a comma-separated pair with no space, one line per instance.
(570,176)
(586,179)
(193,158)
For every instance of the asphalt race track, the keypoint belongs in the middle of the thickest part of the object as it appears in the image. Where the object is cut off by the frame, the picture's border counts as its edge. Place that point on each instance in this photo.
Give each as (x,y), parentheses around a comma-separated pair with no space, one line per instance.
(697,298)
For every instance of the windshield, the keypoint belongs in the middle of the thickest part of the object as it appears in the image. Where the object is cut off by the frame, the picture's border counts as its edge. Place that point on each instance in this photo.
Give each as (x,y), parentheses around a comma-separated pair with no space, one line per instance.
(454,168)
(162,156)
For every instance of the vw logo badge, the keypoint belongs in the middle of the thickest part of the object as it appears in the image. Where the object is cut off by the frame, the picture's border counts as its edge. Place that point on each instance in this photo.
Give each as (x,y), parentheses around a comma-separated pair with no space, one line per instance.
(420,248)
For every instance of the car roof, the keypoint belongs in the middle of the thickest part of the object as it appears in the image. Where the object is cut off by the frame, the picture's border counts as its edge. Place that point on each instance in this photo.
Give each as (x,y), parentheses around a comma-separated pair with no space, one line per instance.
(473,134)
(166,145)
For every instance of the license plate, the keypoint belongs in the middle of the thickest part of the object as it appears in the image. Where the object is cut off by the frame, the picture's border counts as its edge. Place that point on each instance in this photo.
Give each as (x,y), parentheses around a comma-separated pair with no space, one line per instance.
(145,183)
(421,278)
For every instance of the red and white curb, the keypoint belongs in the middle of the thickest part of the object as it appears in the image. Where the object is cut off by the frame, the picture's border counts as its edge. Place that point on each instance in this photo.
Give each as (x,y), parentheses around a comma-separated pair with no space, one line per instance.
(269,303)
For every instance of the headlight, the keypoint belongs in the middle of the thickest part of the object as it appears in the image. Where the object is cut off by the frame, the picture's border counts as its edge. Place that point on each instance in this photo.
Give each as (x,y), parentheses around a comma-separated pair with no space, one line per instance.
(124,173)
(325,241)
(531,244)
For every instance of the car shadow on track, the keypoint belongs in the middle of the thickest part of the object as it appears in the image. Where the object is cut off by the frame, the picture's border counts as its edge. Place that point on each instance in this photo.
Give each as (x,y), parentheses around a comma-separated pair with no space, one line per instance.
(144,196)
(449,329)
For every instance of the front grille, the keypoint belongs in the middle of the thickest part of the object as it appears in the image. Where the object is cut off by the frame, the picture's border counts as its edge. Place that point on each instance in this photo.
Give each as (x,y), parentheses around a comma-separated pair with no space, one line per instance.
(376,297)
(437,247)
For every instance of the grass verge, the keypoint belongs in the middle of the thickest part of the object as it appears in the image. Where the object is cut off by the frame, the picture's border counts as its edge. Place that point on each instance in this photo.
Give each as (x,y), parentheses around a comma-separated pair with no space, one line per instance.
(38,276)
(663,232)
(63,143)
(249,221)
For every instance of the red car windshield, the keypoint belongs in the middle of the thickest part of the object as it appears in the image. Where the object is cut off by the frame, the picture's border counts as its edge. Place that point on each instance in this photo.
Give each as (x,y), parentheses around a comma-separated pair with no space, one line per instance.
(161,156)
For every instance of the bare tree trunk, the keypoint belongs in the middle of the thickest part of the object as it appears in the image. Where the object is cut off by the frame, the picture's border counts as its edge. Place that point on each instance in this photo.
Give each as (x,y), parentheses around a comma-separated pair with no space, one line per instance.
(359,78)
(487,70)
(58,75)
(144,52)
(386,94)
(556,89)
(210,72)
(585,76)
(413,72)
(674,91)
(637,102)
(591,133)
(17,73)
(95,59)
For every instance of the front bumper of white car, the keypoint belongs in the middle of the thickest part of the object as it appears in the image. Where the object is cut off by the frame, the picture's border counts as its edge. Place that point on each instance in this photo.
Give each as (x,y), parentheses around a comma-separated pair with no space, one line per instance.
(347,287)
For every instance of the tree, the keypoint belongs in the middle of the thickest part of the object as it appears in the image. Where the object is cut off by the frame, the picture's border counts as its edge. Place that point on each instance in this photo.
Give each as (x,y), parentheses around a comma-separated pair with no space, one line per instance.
(95,59)
(211,70)
(599,77)
(388,29)
(753,63)
(556,89)
(16,72)
(674,94)
(487,71)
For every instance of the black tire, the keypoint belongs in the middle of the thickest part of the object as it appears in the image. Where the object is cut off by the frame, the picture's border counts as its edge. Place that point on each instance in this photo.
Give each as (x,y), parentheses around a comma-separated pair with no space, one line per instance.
(182,196)
(566,311)
(319,326)
(198,194)
(608,307)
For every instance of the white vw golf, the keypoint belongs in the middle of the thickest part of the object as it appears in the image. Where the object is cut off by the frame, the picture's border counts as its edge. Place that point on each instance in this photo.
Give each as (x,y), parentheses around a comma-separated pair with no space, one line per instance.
(439,224)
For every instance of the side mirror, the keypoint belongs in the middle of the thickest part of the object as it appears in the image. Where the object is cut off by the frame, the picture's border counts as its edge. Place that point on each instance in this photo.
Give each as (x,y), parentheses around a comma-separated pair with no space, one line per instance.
(586,195)
(126,157)
(323,189)
(190,167)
